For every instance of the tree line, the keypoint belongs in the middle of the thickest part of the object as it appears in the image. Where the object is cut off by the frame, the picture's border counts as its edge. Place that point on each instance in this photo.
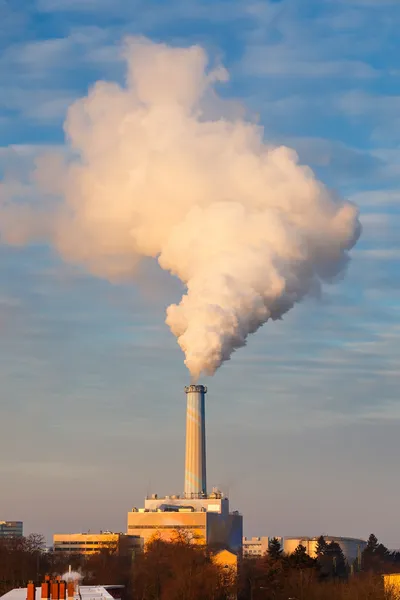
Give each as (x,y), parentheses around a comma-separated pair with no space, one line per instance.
(24,559)
(327,576)
(180,570)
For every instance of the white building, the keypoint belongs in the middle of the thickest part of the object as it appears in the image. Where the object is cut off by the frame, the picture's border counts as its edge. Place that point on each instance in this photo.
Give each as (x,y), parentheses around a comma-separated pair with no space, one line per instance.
(83,592)
(351,547)
(257,546)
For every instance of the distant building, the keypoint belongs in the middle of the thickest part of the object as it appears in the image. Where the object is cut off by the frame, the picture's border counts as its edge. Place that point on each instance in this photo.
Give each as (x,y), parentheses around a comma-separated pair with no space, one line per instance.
(90,543)
(84,592)
(228,563)
(203,520)
(257,546)
(392,584)
(351,547)
(11,529)
(226,560)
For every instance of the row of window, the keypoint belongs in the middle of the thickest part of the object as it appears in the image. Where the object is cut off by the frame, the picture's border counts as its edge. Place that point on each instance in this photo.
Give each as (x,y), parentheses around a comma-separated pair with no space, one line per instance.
(10,530)
(72,550)
(167,527)
(87,543)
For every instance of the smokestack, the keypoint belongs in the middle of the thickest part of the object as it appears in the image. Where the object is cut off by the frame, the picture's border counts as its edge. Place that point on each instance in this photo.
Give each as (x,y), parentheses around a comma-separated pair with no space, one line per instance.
(195,464)
(62,590)
(55,590)
(70,590)
(46,588)
(31,591)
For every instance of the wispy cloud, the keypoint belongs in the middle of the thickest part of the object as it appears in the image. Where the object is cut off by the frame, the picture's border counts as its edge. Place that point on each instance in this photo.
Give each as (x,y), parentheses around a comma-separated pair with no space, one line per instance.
(357,103)
(379,254)
(290,43)
(41,105)
(38,59)
(75,5)
(378,198)
(368,3)
(343,164)
(279,60)
(14,20)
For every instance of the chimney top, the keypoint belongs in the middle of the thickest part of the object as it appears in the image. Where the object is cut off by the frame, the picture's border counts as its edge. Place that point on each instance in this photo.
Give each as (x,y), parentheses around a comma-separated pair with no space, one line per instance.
(195,388)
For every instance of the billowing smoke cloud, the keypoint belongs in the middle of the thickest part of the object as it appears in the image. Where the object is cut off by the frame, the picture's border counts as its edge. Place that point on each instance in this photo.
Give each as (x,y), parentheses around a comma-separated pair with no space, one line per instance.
(247,229)
(74,576)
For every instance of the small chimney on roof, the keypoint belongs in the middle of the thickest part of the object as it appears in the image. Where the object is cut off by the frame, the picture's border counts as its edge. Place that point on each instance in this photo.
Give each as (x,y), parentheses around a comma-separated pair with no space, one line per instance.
(63,590)
(70,590)
(31,591)
(46,588)
(55,590)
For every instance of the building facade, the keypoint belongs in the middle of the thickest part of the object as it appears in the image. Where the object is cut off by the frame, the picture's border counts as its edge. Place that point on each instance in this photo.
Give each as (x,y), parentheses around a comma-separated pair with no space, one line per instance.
(91,543)
(257,546)
(11,529)
(205,520)
(351,547)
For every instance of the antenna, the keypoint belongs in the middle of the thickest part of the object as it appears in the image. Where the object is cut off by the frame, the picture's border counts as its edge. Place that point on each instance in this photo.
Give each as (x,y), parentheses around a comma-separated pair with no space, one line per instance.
(148,491)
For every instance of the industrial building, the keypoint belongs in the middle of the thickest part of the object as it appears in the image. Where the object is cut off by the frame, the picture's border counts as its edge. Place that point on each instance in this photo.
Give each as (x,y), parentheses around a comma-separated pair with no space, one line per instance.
(256,547)
(203,518)
(351,547)
(63,590)
(90,543)
(11,529)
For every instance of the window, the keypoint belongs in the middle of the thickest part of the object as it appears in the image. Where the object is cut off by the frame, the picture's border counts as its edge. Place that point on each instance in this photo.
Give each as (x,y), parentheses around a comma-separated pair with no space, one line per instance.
(166,527)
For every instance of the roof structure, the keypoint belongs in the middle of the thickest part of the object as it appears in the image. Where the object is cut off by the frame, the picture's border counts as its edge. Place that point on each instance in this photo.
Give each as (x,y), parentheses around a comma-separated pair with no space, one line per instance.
(85,592)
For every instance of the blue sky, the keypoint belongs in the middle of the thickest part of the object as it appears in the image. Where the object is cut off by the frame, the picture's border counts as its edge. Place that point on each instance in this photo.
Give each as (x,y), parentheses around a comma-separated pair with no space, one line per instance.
(303,422)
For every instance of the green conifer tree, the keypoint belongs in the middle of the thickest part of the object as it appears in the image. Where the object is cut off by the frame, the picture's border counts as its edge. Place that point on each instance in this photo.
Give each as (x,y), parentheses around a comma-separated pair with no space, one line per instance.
(275,549)
(321,546)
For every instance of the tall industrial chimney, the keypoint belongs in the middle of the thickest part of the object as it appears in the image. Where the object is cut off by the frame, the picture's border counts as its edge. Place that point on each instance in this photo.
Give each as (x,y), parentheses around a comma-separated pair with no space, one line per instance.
(195,464)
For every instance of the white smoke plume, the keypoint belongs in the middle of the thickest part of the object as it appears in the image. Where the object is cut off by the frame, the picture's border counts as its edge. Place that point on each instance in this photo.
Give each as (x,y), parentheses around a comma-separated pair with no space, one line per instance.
(247,229)
(74,576)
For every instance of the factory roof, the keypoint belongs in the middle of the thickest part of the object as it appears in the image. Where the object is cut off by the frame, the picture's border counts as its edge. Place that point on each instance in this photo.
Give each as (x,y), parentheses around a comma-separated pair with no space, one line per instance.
(86,592)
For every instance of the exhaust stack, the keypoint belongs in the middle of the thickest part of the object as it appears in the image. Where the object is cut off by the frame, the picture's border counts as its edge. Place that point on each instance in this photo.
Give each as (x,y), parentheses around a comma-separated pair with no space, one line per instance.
(55,590)
(63,590)
(46,588)
(31,591)
(195,463)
